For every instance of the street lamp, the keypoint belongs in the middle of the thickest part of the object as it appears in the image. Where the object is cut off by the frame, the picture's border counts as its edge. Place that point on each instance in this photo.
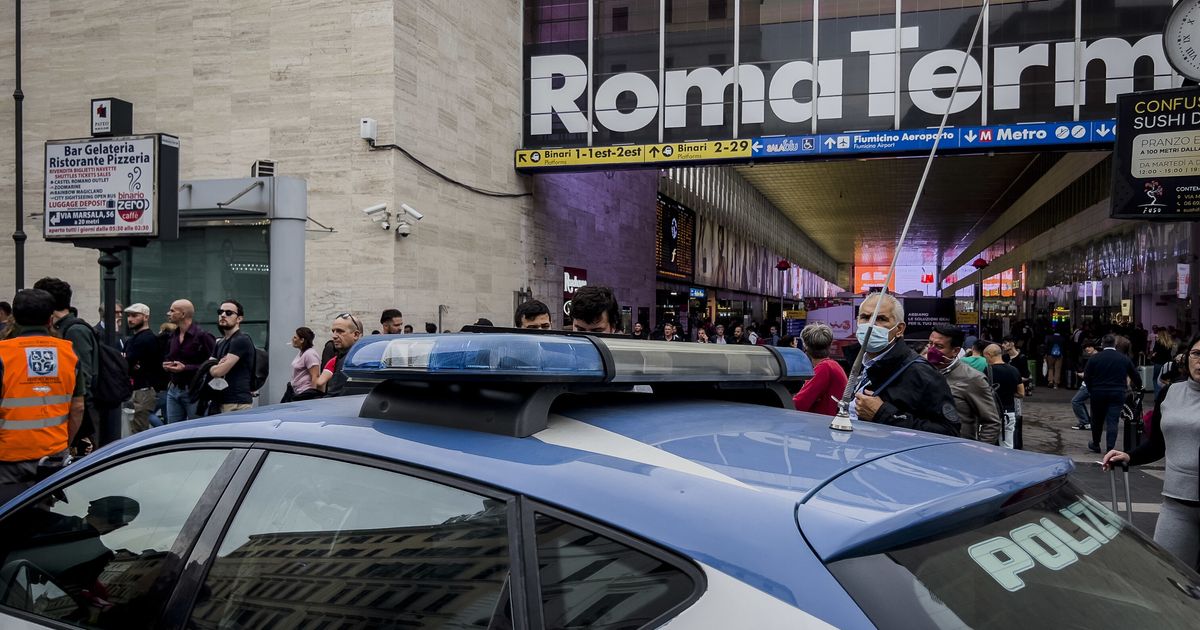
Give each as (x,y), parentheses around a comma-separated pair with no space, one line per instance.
(783,265)
(979,264)
(18,181)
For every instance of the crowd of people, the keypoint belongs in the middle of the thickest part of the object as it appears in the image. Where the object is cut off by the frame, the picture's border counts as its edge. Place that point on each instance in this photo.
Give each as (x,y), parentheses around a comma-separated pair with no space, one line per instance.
(67,386)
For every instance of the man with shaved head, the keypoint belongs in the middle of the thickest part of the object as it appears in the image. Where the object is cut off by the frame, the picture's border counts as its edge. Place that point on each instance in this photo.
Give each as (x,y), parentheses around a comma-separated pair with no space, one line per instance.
(898,387)
(1007,382)
(190,346)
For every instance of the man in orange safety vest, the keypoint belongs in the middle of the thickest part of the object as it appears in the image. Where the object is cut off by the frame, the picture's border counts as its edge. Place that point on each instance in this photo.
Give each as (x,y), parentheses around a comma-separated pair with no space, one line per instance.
(41,395)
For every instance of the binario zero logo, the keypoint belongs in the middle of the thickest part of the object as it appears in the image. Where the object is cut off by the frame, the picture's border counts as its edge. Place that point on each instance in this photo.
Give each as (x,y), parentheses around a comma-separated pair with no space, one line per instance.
(131,210)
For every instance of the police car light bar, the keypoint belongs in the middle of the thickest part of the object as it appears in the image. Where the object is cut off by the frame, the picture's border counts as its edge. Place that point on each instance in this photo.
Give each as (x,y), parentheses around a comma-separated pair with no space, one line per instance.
(507,383)
(517,357)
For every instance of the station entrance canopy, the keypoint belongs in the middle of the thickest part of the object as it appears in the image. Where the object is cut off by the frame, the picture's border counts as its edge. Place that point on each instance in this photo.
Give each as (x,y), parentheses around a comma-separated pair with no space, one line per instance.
(651,83)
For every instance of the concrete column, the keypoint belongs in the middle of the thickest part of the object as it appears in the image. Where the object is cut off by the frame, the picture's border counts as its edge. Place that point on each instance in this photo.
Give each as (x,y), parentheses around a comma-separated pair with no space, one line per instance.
(289,213)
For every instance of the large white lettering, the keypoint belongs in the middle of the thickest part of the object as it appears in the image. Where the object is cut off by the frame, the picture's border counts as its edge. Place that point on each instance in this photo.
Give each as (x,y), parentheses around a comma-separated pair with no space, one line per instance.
(712,85)
(557,83)
(546,102)
(1011,62)
(925,78)
(880,44)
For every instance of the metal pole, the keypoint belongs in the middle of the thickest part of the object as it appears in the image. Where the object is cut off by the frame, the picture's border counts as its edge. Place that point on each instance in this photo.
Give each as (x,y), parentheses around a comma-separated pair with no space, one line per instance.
(18,97)
(841,421)
(110,419)
(979,306)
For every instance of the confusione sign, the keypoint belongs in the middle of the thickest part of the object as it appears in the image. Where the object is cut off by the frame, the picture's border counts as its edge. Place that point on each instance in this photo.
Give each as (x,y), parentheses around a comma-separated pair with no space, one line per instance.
(116,187)
(1156,165)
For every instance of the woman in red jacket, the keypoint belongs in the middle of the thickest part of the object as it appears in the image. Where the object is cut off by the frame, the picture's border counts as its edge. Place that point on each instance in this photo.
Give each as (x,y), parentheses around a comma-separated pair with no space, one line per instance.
(821,392)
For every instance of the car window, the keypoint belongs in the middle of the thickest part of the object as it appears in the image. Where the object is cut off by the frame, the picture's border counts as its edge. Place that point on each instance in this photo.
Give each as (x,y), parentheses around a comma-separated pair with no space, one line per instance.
(319,543)
(592,581)
(1065,562)
(93,553)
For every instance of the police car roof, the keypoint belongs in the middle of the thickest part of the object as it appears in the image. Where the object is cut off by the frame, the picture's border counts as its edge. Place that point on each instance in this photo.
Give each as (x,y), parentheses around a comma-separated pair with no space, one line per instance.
(690,475)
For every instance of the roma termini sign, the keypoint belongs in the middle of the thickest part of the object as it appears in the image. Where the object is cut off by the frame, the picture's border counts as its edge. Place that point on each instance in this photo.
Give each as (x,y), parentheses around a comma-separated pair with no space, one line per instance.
(803,84)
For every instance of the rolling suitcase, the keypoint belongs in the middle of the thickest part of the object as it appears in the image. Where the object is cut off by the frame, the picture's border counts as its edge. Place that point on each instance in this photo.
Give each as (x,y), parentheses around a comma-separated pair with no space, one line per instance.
(1131,432)
(1147,374)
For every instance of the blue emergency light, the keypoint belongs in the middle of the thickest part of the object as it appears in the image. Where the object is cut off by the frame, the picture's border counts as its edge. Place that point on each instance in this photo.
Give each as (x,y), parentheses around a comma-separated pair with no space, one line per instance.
(506,382)
(567,359)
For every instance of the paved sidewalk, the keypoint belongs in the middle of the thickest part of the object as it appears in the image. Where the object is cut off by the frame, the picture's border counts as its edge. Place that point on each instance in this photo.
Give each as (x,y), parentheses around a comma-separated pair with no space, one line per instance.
(1048,421)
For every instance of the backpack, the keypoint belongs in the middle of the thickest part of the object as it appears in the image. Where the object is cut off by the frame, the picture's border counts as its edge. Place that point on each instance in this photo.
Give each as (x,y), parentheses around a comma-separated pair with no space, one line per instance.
(110,384)
(260,366)
(261,369)
(1056,348)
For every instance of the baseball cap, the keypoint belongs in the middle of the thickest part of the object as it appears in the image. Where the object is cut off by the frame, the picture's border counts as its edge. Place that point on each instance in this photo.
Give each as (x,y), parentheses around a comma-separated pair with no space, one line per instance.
(139,308)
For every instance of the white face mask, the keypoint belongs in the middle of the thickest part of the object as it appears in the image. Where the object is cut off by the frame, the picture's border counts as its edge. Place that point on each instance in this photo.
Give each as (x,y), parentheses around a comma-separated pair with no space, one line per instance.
(880,337)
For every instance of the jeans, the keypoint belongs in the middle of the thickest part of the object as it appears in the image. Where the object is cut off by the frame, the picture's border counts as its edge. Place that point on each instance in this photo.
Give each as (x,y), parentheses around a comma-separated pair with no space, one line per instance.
(179,405)
(1106,406)
(1079,405)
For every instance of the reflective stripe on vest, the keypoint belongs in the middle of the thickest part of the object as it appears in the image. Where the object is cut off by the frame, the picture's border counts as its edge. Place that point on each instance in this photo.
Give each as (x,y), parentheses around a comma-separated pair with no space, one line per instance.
(34,401)
(35,396)
(24,425)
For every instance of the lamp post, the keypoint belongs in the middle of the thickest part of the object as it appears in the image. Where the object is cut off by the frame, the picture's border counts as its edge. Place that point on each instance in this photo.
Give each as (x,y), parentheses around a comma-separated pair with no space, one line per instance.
(18,97)
(783,265)
(979,265)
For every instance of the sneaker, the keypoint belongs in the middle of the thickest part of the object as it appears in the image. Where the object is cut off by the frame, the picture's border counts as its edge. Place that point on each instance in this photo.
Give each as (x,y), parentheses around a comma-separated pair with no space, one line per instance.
(1093,448)
(1088,427)
(1080,427)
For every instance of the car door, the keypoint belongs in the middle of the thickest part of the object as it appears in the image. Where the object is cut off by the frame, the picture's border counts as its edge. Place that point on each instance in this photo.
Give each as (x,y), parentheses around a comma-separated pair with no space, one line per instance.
(104,548)
(322,541)
(326,541)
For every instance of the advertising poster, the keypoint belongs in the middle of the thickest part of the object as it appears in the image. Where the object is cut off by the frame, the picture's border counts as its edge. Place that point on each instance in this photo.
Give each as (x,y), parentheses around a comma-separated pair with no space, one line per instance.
(1156,165)
(922,314)
(675,240)
(101,187)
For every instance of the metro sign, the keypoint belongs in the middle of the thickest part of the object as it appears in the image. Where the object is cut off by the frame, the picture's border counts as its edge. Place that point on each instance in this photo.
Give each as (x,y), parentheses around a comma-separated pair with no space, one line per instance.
(558,82)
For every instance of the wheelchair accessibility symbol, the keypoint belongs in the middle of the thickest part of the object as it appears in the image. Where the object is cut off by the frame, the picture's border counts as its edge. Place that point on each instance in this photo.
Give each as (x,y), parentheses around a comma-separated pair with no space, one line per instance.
(42,362)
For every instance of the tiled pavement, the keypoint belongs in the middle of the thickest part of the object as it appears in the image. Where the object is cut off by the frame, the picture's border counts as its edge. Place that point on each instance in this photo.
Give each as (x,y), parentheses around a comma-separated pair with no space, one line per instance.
(1047,429)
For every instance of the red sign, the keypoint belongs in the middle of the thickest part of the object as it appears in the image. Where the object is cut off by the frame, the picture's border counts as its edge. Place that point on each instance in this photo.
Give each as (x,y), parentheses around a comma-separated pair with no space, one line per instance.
(867,277)
(573,279)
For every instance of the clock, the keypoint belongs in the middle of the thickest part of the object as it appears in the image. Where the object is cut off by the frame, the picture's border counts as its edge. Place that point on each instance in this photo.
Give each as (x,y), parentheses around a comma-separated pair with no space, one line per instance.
(1181,39)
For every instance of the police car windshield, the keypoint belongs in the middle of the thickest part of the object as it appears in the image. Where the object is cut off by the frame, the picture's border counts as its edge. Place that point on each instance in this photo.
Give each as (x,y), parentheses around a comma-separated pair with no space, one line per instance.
(1066,562)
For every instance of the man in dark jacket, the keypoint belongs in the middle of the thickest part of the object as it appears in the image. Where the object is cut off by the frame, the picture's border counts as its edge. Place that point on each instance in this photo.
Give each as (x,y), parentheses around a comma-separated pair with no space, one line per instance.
(1107,376)
(900,388)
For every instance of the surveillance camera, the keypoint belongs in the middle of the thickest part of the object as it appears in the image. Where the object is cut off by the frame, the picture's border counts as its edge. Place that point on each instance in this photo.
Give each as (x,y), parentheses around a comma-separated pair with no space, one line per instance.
(411,211)
(385,225)
(403,229)
(371,211)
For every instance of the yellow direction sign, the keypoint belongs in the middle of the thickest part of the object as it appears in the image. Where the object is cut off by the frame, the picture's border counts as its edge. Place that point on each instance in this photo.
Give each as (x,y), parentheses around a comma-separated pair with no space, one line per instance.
(582,156)
(692,151)
(708,150)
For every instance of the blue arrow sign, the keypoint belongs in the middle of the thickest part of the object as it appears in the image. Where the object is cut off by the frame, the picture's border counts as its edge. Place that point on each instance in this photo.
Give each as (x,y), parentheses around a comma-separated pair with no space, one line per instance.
(953,139)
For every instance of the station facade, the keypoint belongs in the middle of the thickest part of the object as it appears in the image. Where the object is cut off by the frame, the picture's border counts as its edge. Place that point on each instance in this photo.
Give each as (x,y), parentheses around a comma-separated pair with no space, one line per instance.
(469,92)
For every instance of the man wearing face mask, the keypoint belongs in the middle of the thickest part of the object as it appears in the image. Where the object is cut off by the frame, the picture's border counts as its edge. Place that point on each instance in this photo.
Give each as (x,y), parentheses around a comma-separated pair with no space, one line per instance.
(898,387)
(977,411)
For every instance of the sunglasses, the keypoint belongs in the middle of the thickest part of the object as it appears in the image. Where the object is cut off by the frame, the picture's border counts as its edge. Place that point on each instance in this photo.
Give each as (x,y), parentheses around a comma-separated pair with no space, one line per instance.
(226,313)
(352,318)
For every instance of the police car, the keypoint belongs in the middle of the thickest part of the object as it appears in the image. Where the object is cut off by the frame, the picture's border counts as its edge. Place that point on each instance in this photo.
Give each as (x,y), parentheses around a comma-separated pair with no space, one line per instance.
(560,481)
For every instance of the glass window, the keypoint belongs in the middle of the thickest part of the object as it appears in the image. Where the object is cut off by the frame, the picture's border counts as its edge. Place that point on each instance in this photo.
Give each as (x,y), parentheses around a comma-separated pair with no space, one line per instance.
(207,265)
(591,581)
(320,543)
(102,551)
(1066,562)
